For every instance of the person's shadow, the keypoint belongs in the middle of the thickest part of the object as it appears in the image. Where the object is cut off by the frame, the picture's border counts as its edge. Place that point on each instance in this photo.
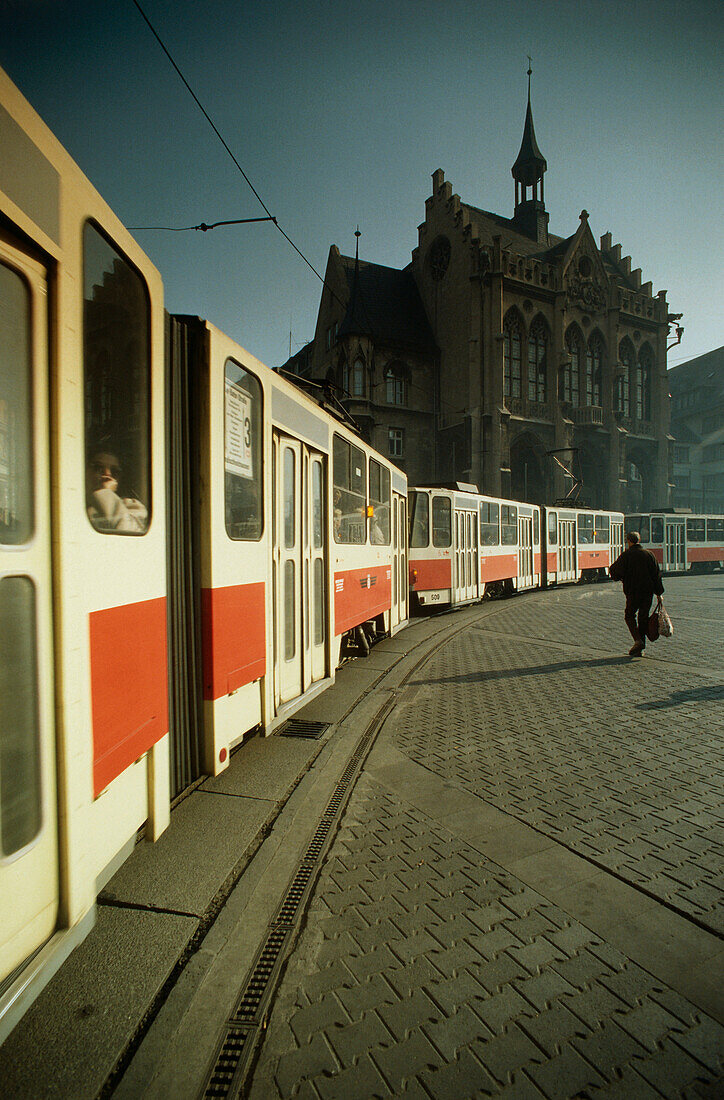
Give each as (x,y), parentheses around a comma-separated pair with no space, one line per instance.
(515,673)
(712,694)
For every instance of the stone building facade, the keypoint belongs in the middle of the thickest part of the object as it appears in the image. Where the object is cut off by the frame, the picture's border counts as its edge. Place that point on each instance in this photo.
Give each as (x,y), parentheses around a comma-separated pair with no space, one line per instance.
(529,364)
(697,424)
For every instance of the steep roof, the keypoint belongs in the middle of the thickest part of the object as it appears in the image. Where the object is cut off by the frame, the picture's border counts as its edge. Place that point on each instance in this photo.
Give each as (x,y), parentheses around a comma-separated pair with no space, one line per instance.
(705,371)
(495,225)
(384,303)
(530,163)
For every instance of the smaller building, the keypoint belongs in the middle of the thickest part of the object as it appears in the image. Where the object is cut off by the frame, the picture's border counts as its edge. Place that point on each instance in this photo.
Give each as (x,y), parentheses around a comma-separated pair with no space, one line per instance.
(697,425)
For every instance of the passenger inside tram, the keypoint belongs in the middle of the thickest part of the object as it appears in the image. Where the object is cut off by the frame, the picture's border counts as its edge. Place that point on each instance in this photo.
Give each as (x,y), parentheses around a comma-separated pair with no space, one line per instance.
(108,511)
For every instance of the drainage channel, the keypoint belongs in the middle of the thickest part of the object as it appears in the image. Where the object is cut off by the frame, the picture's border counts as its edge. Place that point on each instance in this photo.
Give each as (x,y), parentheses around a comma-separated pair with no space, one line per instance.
(239,1039)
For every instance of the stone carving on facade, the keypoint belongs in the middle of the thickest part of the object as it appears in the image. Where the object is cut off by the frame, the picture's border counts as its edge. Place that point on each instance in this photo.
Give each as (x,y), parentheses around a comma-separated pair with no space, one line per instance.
(586,293)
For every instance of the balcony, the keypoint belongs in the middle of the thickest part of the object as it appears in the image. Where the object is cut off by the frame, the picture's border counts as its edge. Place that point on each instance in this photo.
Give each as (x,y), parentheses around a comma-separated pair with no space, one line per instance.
(587,416)
(528,410)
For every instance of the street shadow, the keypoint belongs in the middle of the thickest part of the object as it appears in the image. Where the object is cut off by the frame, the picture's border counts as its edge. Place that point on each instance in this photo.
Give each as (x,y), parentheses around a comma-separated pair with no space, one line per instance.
(691,695)
(530,670)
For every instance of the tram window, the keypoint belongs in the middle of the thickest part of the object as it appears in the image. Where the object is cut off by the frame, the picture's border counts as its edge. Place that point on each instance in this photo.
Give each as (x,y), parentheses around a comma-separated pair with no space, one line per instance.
(290,640)
(318,601)
(536,527)
(644,529)
(603,529)
(380,501)
(419,519)
(509,525)
(16,468)
(317,506)
(657,529)
(243,493)
(695,530)
(117,389)
(441,521)
(552,528)
(20,800)
(585,530)
(489,523)
(289,498)
(715,530)
(349,492)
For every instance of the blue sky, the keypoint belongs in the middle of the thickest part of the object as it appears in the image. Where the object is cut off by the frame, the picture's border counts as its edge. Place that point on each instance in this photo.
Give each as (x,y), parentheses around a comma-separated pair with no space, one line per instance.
(339,114)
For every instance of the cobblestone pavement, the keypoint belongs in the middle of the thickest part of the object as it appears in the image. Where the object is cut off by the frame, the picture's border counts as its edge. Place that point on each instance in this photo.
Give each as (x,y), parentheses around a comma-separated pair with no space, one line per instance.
(425,970)
(619,760)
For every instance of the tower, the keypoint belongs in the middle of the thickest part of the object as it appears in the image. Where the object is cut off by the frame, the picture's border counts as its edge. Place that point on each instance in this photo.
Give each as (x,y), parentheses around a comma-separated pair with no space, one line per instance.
(530,215)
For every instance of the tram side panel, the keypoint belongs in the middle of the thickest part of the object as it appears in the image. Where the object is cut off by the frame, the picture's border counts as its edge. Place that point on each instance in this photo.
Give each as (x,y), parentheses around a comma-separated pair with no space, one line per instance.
(100,534)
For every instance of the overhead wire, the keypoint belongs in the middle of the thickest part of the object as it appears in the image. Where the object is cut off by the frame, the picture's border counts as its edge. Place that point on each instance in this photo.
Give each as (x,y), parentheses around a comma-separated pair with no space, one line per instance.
(219,135)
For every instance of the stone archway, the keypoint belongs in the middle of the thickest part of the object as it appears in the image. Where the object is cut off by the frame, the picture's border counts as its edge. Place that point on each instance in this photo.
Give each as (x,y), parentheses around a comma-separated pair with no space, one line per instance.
(527,480)
(640,481)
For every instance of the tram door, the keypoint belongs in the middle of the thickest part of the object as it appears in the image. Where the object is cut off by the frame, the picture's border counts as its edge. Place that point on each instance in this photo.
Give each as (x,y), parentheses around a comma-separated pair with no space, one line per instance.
(399,562)
(465,579)
(674,546)
(299,567)
(616,539)
(566,549)
(28,799)
(525,552)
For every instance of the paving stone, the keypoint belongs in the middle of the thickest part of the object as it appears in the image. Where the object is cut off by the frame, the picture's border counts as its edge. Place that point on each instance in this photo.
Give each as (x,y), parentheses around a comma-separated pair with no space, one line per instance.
(608,1048)
(316,1017)
(460,990)
(565,1075)
(411,977)
(404,1016)
(348,1040)
(504,1054)
(464,1077)
(406,1059)
(553,1028)
(705,1042)
(673,1069)
(362,1081)
(454,1032)
(303,1063)
(649,1023)
(372,993)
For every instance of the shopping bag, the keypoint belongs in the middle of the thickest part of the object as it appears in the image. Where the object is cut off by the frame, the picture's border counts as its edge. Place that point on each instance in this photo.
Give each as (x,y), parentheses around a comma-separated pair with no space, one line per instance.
(652,627)
(666,627)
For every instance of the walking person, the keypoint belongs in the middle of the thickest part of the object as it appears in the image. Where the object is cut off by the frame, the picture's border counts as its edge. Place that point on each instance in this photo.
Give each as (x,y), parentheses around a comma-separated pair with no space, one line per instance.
(639,571)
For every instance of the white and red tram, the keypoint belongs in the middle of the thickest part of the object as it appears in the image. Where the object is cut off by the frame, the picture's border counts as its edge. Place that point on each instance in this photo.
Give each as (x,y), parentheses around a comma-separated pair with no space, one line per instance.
(682,542)
(464,545)
(580,543)
(173,568)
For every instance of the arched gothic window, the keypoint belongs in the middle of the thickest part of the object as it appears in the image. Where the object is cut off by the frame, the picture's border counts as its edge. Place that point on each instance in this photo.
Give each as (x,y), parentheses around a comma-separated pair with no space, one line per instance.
(644,371)
(594,370)
(537,344)
(571,369)
(358,379)
(626,357)
(512,342)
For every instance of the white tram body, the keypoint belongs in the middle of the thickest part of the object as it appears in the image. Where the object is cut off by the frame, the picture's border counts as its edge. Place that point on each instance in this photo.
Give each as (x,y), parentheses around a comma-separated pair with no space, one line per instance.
(580,543)
(464,544)
(173,571)
(682,542)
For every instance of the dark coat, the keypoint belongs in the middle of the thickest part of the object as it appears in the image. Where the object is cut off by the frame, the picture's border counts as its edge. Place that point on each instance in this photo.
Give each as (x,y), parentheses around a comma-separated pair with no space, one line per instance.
(640,573)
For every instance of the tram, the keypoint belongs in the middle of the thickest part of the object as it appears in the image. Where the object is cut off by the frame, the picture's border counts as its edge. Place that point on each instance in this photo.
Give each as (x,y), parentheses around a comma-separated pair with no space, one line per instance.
(682,542)
(464,545)
(187,544)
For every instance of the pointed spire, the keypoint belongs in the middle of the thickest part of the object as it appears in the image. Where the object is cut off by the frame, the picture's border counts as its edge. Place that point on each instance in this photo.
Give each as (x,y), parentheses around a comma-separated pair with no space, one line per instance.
(528,171)
(530,163)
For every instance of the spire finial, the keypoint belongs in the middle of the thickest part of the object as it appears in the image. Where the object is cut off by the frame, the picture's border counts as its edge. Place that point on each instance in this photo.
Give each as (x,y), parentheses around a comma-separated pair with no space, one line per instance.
(356,250)
(530,73)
